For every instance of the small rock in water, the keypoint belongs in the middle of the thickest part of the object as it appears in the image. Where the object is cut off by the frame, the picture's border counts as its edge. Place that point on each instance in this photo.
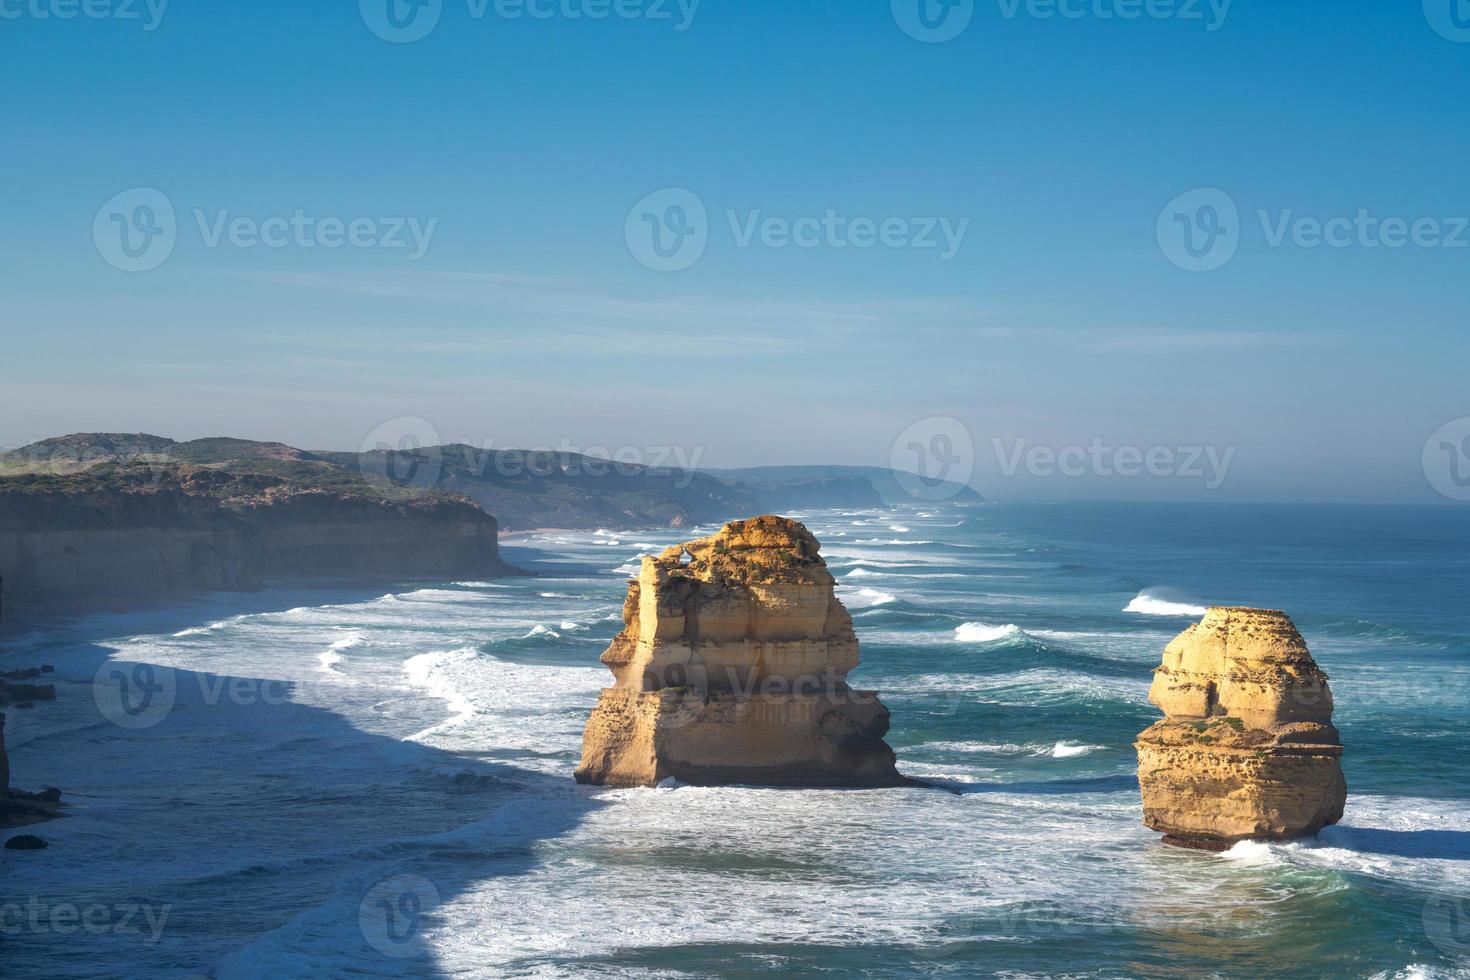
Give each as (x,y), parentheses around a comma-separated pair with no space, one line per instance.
(26,842)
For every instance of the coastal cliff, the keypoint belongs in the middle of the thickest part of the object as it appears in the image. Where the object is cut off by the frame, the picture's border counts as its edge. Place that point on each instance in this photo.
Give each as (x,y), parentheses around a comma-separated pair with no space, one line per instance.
(117,533)
(1247,749)
(731,668)
(524,489)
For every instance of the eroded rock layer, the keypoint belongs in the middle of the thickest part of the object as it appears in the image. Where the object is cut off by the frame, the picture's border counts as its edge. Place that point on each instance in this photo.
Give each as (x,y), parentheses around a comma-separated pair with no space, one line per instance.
(1247,749)
(732,668)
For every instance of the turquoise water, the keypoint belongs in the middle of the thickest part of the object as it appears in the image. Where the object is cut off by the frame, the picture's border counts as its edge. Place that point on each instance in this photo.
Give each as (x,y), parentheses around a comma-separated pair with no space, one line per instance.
(349,782)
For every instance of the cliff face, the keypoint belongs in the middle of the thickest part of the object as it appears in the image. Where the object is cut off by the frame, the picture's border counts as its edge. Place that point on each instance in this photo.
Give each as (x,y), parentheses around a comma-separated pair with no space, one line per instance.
(128,535)
(731,668)
(1247,749)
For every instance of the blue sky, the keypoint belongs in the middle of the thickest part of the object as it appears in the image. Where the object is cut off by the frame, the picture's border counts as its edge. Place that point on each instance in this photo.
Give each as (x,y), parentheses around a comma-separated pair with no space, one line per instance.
(518,146)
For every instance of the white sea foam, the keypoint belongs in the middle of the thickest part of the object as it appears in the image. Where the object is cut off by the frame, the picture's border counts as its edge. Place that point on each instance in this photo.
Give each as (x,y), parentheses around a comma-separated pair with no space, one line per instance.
(868,598)
(331,659)
(1146,605)
(1007,747)
(199,630)
(899,528)
(1251,852)
(1084,855)
(984,633)
(861,573)
(1058,750)
(434,672)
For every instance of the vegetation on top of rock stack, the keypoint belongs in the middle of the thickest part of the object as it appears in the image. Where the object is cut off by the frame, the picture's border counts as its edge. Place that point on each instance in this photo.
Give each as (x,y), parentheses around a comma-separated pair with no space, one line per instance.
(764,549)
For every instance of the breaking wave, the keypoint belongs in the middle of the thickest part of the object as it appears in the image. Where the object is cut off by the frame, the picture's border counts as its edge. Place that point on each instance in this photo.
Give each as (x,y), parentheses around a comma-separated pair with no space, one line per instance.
(1148,605)
(984,633)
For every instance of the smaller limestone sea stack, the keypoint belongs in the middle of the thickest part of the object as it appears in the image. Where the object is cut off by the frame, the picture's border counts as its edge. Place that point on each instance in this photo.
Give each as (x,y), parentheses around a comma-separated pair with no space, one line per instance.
(1247,750)
(731,668)
(17,807)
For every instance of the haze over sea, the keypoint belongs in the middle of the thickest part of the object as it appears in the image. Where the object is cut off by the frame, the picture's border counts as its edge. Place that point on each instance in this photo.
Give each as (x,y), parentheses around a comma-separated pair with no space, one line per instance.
(397,799)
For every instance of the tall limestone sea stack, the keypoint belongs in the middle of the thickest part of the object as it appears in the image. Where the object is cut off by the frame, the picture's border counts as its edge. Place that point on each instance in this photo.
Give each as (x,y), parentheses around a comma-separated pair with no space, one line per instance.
(732,668)
(1247,750)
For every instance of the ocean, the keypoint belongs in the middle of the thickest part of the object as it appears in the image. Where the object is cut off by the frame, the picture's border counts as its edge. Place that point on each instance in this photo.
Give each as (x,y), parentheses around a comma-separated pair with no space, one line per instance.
(340,781)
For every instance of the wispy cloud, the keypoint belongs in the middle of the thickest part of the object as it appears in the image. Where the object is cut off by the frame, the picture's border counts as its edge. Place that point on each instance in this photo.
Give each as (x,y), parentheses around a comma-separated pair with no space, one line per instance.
(484,312)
